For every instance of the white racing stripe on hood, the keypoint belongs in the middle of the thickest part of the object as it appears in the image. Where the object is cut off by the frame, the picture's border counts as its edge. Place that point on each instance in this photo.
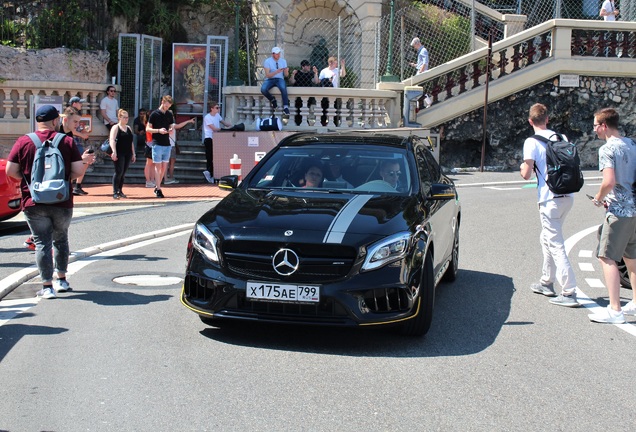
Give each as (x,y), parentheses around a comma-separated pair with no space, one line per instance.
(343,219)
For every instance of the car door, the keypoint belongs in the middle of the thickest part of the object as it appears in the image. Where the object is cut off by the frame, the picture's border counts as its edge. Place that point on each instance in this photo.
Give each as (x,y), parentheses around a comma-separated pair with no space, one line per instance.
(441,212)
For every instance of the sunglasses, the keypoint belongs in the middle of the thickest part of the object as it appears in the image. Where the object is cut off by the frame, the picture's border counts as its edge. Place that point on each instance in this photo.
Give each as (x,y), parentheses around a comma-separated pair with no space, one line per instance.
(394,173)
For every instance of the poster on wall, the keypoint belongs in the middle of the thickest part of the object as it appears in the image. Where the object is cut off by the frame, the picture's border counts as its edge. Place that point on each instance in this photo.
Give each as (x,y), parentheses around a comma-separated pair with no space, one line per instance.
(39,100)
(188,77)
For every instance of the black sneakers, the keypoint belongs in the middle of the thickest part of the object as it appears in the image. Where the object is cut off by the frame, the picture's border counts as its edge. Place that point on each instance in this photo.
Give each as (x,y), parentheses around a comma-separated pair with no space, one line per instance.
(158,193)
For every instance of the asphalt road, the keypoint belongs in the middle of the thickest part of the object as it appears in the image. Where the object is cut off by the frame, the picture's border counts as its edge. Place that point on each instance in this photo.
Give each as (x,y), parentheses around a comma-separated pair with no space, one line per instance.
(111,356)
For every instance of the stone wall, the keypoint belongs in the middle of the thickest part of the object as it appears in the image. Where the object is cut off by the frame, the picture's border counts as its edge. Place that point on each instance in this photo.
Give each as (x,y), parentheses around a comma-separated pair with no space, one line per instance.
(57,64)
(571,112)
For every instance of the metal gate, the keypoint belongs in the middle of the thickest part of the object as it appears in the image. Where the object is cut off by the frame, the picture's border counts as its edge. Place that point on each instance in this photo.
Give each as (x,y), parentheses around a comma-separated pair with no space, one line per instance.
(216,71)
(139,72)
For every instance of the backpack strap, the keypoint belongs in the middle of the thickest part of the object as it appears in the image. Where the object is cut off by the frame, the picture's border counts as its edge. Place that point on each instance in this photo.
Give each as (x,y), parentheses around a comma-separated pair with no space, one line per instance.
(35,139)
(545,141)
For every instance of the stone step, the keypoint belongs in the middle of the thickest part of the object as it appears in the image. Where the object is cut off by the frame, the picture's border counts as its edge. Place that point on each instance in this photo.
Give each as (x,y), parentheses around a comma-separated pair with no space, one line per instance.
(188,168)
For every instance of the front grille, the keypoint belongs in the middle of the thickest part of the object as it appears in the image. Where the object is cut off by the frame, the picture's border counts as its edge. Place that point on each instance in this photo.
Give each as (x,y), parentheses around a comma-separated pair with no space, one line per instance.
(382,300)
(199,290)
(318,263)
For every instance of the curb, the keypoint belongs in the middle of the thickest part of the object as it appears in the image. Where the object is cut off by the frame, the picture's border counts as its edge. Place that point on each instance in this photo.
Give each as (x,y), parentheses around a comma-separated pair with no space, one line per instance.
(513,182)
(8,284)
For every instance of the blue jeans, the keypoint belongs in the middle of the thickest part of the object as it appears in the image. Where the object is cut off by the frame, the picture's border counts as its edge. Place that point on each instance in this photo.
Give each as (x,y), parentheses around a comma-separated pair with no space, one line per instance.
(49,227)
(270,83)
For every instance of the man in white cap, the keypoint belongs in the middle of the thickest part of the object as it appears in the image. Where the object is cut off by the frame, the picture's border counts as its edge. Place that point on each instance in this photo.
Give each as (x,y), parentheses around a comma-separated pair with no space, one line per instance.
(275,72)
(422,56)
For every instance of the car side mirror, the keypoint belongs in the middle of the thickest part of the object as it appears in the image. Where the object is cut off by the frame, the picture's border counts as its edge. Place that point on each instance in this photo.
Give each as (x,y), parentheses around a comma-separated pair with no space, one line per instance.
(441,191)
(229,182)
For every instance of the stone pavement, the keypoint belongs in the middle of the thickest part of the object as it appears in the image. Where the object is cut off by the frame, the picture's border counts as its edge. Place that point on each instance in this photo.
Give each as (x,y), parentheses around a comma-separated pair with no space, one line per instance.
(139,194)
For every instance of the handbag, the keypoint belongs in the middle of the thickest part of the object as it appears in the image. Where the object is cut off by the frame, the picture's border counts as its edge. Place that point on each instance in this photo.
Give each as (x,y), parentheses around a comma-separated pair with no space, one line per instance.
(106,144)
(105,147)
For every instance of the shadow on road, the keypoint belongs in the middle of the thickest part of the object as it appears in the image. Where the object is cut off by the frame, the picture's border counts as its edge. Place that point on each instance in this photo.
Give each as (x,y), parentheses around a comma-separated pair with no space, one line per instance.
(117,298)
(11,334)
(468,316)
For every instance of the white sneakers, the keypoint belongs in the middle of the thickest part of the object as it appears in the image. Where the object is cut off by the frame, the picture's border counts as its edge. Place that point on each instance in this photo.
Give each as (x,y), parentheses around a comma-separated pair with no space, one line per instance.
(61,285)
(58,286)
(208,177)
(630,308)
(608,315)
(46,293)
(150,184)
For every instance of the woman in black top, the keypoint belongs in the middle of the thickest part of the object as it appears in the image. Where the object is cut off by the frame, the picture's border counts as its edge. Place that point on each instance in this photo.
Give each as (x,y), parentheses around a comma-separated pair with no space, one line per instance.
(121,142)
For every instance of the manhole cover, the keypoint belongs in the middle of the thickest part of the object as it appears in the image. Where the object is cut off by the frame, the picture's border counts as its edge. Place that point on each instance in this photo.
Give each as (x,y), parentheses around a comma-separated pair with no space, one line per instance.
(147,280)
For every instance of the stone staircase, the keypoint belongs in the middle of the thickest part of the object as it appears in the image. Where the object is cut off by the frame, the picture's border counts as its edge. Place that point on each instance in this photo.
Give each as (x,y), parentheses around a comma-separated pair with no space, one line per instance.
(188,167)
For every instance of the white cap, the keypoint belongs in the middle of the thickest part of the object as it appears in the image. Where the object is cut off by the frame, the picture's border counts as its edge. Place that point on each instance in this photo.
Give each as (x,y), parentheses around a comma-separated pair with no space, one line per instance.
(276,50)
(415,41)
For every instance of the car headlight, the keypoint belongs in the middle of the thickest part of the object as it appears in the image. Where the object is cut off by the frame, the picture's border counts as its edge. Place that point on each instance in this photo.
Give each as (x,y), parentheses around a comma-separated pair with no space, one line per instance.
(388,250)
(205,242)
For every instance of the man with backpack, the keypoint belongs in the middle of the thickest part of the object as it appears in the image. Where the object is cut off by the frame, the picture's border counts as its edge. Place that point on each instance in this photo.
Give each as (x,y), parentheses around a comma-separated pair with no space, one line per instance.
(49,222)
(553,209)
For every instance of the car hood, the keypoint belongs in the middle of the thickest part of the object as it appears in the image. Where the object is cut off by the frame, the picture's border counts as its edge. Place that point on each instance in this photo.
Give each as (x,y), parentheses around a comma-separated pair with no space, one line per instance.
(309,216)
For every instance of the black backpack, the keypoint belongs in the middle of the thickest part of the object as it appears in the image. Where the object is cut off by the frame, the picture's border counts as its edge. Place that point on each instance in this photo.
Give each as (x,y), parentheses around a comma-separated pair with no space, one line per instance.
(563,174)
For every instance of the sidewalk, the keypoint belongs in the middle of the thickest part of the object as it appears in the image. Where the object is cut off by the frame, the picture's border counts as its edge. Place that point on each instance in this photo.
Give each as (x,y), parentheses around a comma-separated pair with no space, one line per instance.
(138,194)
(102,194)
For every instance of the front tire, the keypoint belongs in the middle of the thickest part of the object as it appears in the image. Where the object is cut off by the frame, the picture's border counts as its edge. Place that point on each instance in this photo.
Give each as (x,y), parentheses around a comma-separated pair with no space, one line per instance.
(420,324)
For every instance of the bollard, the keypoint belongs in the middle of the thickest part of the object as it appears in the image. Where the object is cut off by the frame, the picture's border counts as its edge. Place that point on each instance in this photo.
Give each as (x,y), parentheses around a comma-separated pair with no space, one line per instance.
(258,156)
(235,166)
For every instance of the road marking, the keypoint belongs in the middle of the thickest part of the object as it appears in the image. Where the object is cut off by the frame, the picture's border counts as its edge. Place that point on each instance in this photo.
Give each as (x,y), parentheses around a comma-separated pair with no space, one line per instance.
(585,266)
(583,298)
(583,253)
(503,188)
(9,309)
(595,283)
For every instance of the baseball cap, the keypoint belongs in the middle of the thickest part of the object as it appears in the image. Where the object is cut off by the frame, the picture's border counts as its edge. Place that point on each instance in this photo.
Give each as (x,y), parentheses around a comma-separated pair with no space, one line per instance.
(276,50)
(76,99)
(305,63)
(414,41)
(46,113)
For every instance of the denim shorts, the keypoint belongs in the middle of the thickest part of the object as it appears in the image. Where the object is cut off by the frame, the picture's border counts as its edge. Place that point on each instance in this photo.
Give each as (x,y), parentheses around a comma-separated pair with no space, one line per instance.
(161,153)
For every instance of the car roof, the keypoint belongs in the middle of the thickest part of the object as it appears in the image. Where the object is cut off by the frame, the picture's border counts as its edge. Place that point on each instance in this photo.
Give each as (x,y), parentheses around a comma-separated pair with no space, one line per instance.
(359,137)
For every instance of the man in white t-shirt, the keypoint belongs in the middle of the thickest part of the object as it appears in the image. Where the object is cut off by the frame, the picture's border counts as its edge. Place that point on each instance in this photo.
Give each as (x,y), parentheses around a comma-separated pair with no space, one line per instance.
(109,106)
(211,123)
(332,73)
(553,210)
(609,11)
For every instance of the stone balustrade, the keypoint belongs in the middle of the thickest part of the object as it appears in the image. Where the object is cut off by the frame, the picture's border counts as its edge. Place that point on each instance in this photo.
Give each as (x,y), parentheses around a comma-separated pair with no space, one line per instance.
(316,108)
(15,102)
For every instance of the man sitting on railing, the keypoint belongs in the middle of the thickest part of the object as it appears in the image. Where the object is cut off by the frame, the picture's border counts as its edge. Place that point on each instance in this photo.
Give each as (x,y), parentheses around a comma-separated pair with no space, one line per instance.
(275,71)
(305,77)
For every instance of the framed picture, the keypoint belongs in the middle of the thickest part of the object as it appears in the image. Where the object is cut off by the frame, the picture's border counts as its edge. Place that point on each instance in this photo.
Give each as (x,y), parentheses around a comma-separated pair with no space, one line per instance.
(86,123)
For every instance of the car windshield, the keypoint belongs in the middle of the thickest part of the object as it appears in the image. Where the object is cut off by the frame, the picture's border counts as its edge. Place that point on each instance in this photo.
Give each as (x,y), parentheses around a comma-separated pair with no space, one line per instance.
(364,169)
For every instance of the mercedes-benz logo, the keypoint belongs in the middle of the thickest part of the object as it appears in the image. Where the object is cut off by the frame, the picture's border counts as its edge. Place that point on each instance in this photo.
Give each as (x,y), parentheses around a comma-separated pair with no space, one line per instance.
(285,262)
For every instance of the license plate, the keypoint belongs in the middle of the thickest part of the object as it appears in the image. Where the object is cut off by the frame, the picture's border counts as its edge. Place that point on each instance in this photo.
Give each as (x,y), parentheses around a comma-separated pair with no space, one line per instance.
(283,292)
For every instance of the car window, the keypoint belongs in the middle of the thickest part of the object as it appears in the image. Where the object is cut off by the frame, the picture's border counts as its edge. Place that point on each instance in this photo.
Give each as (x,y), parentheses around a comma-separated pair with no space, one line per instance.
(433,166)
(358,169)
(423,166)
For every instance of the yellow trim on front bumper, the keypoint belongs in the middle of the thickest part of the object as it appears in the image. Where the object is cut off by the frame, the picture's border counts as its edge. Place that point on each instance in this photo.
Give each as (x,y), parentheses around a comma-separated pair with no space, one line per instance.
(419,301)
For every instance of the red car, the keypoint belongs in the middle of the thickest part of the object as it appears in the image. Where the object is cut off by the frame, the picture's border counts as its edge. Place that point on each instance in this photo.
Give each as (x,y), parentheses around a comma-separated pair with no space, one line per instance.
(10,194)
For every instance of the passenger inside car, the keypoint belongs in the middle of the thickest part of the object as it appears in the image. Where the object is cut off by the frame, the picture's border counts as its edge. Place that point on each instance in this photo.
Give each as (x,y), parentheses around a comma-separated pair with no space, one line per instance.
(313,177)
(334,174)
(390,172)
